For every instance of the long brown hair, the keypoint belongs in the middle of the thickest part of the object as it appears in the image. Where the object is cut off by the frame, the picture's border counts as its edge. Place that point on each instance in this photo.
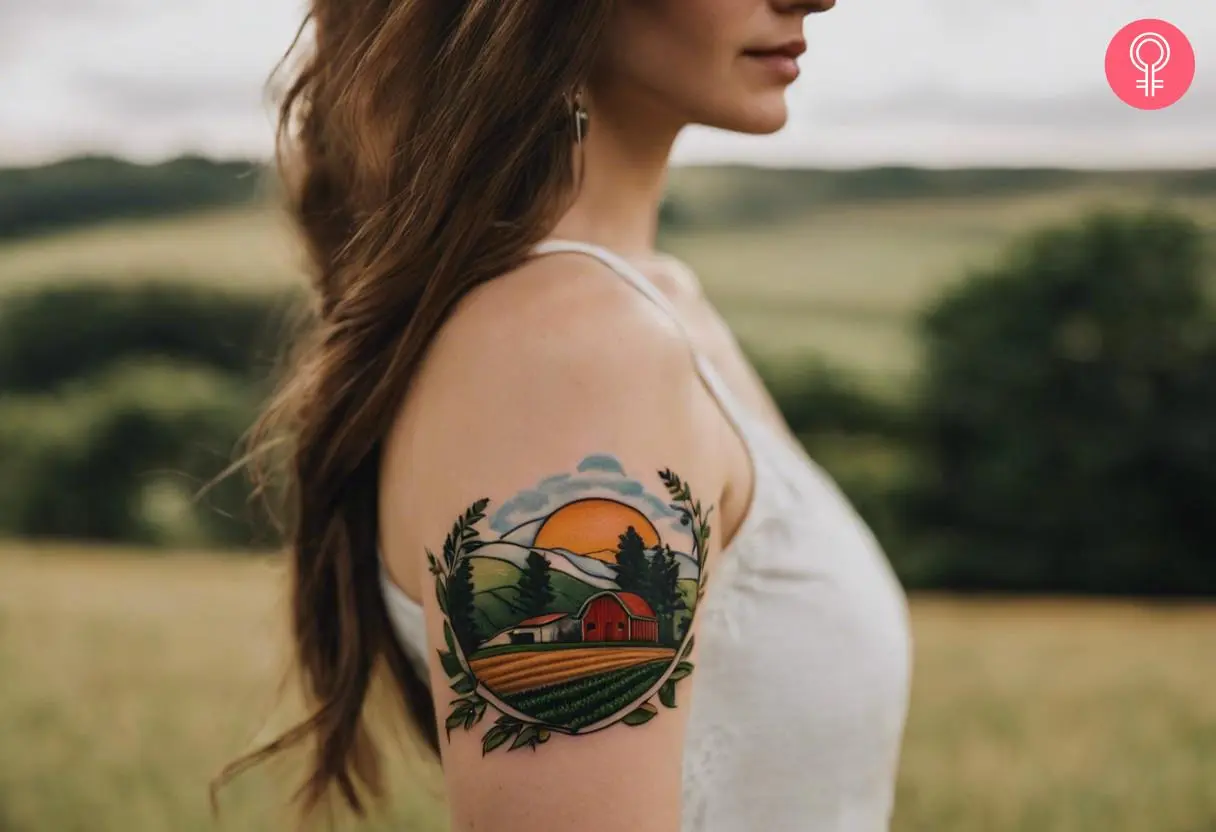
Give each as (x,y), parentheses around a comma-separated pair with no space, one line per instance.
(426,145)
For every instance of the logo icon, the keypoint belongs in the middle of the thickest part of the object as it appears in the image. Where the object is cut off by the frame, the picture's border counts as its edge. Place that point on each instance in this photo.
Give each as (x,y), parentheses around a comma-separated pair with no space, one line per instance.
(1150,64)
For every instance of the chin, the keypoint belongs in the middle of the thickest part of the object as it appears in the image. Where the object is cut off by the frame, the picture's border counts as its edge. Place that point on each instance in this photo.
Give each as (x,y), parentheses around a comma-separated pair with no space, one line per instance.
(756,117)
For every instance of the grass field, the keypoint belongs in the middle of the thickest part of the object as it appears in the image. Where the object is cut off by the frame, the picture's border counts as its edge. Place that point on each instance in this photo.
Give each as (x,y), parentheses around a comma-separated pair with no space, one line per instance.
(514,672)
(126,680)
(842,282)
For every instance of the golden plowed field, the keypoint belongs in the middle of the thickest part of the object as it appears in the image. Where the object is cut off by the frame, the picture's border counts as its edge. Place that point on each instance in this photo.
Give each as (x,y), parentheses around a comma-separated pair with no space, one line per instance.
(513,672)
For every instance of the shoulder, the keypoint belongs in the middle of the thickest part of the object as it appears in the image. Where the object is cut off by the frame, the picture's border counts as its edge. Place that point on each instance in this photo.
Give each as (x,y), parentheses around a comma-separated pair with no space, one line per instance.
(539,368)
(555,326)
(676,279)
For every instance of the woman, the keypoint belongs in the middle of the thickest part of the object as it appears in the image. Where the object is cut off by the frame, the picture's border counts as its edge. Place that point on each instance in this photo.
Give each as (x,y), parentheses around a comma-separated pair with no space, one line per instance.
(534,477)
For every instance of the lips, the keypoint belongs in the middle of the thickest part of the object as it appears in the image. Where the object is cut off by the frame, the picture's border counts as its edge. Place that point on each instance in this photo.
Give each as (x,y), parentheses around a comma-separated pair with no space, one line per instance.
(779,62)
(792,50)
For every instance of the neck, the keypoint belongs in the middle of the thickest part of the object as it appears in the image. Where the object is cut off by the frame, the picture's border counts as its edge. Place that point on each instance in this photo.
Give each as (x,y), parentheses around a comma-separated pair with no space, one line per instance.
(623,163)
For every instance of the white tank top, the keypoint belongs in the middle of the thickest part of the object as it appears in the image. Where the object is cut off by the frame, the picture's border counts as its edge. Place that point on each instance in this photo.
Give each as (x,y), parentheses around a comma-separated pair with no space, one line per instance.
(803,645)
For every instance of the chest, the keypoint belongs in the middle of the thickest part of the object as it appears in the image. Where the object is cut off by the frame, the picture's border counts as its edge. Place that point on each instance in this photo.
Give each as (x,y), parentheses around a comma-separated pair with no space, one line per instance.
(804,651)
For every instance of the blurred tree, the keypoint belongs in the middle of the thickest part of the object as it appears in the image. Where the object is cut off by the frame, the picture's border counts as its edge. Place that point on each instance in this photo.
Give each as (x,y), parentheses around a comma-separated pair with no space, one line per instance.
(66,331)
(100,458)
(90,189)
(1068,411)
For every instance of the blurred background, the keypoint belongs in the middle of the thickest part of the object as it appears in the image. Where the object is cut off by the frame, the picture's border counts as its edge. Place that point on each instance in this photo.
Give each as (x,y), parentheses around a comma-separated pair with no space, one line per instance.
(982,289)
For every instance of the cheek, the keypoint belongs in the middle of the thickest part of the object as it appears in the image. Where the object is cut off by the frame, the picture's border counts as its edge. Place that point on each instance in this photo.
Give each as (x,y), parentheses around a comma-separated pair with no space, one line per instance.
(684,54)
(679,48)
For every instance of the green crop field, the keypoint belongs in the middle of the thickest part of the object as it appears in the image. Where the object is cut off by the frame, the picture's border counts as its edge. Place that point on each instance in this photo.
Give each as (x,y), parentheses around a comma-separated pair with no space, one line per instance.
(127,679)
(582,702)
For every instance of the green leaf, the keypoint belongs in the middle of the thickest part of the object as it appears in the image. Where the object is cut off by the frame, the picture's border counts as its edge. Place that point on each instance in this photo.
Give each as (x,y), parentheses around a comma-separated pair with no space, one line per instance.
(441,592)
(455,721)
(495,737)
(470,719)
(542,734)
(641,715)
(503,730)
(528,736)
(449,637)
(451,664)
(688,647)
(463,684)
(667,694)
(682,670)
(479,711)
(459,715)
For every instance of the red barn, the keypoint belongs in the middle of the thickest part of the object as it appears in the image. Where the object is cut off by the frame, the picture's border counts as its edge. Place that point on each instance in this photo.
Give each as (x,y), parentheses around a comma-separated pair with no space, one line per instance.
(618,616)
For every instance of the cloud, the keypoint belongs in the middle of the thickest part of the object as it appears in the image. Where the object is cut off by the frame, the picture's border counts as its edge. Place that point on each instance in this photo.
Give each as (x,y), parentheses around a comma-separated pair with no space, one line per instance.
(13,15)
(959,82)
(23,23)
(142,98)
(597,474)
(601,462)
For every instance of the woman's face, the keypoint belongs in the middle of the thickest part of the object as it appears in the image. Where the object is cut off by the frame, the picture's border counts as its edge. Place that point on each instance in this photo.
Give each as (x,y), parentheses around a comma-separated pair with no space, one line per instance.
(722,63)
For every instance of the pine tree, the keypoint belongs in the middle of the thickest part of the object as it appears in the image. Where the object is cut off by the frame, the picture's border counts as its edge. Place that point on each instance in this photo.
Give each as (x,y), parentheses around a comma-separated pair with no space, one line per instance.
(535,586)
(460,606)
(663,573)
(632,568)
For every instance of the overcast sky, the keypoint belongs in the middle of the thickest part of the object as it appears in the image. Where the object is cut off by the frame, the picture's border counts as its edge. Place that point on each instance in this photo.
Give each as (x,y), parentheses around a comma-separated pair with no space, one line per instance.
(936,82)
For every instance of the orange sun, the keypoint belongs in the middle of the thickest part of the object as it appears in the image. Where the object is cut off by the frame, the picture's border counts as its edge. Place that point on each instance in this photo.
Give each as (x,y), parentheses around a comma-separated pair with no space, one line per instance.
(593,527)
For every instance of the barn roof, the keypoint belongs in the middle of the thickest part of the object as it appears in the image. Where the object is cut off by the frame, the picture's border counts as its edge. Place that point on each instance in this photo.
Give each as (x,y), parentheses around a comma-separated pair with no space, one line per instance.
(636,605)
(538,620)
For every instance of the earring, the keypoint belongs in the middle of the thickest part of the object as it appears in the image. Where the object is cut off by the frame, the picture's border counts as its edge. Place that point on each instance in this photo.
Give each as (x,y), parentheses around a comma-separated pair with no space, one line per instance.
(582,118)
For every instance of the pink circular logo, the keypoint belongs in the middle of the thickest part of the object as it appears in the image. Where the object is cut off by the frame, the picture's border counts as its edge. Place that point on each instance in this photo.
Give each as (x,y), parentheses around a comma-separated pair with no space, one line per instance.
(1150,64)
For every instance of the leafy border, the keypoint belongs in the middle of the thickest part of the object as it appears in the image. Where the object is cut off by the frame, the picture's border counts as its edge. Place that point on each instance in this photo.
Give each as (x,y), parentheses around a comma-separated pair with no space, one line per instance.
(469,707)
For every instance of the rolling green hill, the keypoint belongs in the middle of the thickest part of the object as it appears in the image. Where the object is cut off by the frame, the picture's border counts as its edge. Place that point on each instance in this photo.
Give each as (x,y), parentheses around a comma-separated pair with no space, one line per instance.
(79,191)
(801,263)
(496,594)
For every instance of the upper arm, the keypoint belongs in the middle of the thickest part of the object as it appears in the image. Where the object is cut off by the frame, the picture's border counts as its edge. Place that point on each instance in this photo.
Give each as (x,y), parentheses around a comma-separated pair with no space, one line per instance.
(560,502)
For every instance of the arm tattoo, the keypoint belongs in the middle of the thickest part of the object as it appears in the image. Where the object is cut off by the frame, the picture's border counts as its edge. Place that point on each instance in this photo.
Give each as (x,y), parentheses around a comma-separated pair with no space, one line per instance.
(569,609)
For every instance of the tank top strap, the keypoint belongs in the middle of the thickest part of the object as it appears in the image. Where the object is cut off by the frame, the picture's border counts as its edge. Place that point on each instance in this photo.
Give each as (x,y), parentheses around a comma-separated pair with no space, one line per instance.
(708,373)
(623,268)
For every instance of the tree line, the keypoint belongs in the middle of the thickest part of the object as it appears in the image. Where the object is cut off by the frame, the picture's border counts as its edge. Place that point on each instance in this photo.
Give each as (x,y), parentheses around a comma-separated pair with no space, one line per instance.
(1057,439)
